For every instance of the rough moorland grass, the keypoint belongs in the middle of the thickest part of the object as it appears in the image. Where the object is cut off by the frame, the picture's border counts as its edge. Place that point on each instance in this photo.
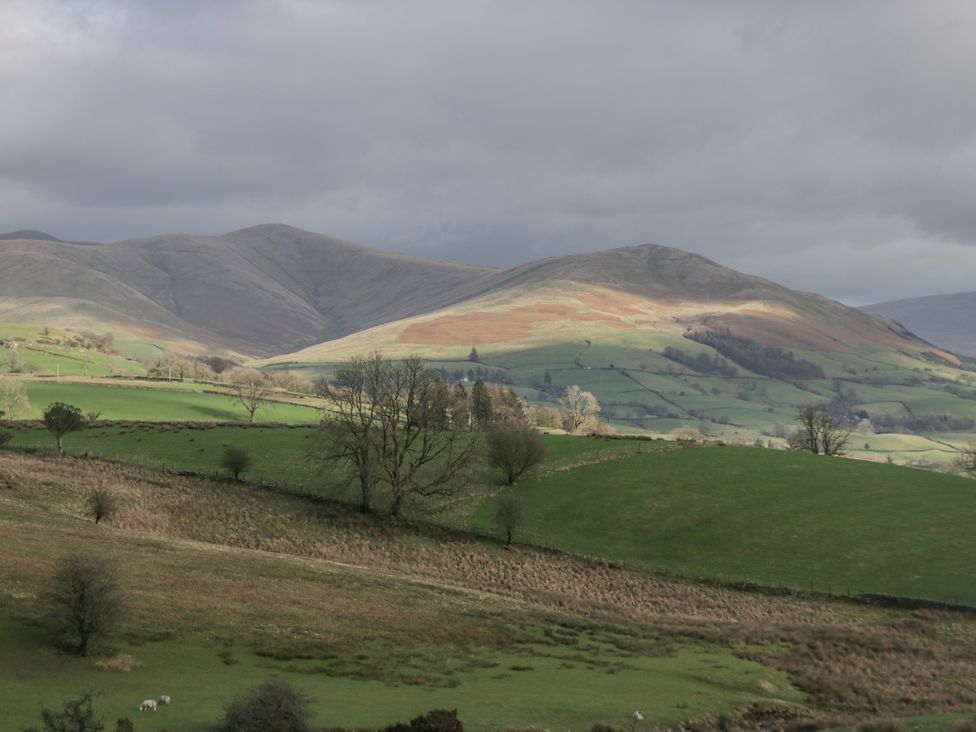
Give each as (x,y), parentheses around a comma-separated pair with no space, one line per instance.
(372,644)
(154,404)
(429,611)
(769,516)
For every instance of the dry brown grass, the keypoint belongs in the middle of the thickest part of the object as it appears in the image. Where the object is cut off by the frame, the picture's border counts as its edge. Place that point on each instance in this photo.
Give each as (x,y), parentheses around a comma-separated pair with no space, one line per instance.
(854,661)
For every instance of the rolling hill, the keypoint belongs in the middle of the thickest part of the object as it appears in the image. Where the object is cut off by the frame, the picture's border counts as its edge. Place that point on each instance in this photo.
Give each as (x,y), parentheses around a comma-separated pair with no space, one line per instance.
(628,295)
(944,319)
(256,291)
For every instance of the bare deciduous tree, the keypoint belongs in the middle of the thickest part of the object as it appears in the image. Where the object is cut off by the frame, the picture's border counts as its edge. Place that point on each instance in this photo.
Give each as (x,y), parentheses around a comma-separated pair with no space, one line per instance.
(965,461)
(84,598)
(13,398)
(820,432)
(100,504)
(394,431)
(348,433)
(508,515)
(515,449)
(249,388)
(581,408)
(235,460)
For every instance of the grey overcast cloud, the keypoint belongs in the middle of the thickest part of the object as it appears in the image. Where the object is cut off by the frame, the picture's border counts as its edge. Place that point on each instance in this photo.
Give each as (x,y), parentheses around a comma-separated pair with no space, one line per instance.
(830,146)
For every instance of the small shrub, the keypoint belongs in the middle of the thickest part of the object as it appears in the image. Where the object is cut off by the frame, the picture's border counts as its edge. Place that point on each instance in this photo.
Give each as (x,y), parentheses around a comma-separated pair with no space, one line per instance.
(880,725)
(124,725)
(272,705)
(235,460)
(436,720)
(5,437)
(76,716)
(100,504)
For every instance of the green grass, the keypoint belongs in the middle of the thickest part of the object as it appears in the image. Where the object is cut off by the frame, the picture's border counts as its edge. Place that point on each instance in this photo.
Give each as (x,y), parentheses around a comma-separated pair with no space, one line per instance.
(47,354)
(278,454)
(550,690)
(160,403)
(768,516)
(208,621)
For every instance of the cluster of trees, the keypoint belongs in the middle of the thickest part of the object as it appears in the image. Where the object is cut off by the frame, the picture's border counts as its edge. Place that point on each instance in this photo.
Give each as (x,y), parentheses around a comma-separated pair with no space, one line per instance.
(494,376)
(927,423)
(701,362)
(766,360)
(400,435)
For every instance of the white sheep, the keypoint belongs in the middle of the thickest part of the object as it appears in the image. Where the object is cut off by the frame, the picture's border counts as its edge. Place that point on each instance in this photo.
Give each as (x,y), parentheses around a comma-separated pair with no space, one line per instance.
(164,699)
(148,704)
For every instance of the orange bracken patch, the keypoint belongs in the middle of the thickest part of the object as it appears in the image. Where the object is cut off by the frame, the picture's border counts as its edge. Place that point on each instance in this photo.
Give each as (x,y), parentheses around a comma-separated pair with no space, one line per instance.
(480,327)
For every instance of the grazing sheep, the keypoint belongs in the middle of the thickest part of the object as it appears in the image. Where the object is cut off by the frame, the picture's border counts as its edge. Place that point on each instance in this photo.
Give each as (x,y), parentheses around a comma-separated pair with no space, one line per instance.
(164,699)
(148,704)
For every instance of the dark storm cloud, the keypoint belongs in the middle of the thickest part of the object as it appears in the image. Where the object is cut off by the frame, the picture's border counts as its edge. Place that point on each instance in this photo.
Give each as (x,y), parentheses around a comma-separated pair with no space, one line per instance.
(829,146)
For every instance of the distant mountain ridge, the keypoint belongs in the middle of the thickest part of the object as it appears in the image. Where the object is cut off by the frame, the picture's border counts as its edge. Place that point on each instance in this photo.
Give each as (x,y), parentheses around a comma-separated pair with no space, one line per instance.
(260,290)
(34,235)
(272,289)
(948,320)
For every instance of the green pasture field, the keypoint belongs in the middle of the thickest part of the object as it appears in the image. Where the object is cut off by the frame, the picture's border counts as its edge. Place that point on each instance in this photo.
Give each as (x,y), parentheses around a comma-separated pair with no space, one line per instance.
(207,621)
(279,453)
(160,403)
(34,347)
(768,516)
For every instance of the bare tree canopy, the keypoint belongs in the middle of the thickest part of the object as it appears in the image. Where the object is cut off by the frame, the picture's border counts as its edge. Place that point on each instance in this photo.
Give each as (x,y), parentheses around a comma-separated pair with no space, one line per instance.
(13,399)
(966,459)
(581,409)
(394,431)
(820,432)
(250,389)
(515,449)
(508,515)
(84,598)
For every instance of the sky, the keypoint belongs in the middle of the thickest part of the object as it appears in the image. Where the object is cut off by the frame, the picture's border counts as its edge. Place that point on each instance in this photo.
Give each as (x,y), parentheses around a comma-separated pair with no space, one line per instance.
(829,146)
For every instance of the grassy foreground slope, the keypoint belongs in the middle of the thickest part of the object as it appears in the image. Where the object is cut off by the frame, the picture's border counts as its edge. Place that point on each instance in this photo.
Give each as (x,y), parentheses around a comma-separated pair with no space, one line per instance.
(228,585)
(770,516)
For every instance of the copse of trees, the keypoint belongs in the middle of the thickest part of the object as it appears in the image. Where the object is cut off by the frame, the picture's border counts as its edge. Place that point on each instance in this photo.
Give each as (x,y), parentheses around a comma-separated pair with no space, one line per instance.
(701,362)
(762,359)
(394,431)
(60,419)
(924,423)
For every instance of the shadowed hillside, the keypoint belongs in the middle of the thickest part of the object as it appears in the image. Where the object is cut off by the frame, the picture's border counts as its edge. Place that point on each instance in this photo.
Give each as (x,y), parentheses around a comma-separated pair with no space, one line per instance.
(946,320)
(260,290)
